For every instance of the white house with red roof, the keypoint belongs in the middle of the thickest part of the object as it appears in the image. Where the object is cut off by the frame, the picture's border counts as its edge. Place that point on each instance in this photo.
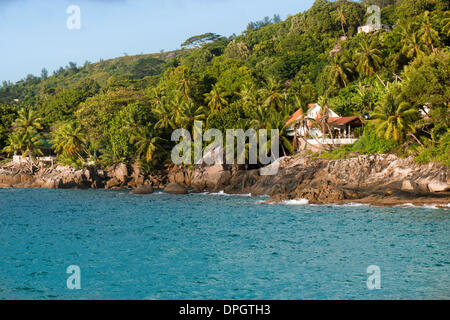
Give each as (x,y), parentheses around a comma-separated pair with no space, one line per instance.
(338,131)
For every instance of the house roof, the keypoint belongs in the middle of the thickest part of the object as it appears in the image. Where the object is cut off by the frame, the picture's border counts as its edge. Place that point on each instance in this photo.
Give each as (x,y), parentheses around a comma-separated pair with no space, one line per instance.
(299,112)
(295,116)
(342,121)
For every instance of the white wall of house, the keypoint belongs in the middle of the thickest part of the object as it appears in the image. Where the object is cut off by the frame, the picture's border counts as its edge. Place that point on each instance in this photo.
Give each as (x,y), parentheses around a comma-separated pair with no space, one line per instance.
(332,141)
(302,132)
(368,28)
(314,112)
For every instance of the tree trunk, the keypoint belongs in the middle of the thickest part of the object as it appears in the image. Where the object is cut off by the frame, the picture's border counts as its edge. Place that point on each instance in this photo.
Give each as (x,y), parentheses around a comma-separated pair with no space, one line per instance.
(315,138)
(31,161)
(415,138)
(331,134)
(382,82)
(295,144)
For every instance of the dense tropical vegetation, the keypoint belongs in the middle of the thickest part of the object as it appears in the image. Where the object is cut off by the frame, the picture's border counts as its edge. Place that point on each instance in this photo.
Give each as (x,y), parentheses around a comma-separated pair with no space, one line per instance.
(125,109)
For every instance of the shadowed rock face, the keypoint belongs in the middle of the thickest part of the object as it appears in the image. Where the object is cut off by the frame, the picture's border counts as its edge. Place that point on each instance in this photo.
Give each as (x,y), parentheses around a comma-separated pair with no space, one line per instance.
(142,190)
(175,188)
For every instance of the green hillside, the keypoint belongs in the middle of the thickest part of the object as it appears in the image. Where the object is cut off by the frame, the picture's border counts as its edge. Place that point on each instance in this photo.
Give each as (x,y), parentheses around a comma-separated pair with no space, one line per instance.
(125,109)
(135,67)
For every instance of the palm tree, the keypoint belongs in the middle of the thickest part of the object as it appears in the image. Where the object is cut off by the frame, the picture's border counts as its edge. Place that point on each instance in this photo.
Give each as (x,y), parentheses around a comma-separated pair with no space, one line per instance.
(271,94)
(324,114)
(70,140)
(170,113)
(26,138)
(394,118)
(185,83)
(260,118)
(266,119)
(248,95)
(28,143)
(412,46)
(157,96)
(365,97)
(427,33)
(446,25)
(190,114)
(340,17)
(147,143)
(165,118)
(33,146)
(277,120)
(338,71)
(131,122)
(369,58)
(16,143)
(216,98)
(28,120)
(177,105)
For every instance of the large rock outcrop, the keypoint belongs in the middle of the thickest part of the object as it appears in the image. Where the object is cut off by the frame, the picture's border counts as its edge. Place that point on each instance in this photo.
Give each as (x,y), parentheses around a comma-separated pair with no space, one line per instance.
(382,179)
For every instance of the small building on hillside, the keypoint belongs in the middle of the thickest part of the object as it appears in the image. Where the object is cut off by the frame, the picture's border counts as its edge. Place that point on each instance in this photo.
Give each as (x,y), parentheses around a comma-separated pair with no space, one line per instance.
(314,134)
(314,112)
(369,28)
(425,111)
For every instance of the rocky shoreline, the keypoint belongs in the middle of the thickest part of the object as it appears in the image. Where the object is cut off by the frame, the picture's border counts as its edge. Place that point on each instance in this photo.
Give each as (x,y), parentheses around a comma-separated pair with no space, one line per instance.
(119,176)
(381,180)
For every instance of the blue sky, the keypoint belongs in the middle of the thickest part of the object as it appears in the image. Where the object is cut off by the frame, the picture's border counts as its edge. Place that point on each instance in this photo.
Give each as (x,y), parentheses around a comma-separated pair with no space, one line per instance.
(34,35)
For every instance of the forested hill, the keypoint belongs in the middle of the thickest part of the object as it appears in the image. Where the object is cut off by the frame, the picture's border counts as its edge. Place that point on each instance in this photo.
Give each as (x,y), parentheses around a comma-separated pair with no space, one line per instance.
(128,67)
(126,108)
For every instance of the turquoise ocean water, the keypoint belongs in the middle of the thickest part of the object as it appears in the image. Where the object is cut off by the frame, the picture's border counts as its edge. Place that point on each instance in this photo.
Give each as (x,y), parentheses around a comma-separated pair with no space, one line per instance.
(215,247)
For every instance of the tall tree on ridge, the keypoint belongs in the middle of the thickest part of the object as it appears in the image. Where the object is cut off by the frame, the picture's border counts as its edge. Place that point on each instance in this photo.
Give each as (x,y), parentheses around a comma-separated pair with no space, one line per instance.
(340,17)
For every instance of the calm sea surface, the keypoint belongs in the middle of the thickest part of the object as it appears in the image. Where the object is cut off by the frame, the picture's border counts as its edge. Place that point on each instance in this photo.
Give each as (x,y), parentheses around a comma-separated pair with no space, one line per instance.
(215,247)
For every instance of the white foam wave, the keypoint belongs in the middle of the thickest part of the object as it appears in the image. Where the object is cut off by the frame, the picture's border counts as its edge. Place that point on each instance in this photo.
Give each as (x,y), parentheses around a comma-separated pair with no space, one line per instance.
(299,202)
(426,206)
(405,205)
(222,193)
(352,204)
